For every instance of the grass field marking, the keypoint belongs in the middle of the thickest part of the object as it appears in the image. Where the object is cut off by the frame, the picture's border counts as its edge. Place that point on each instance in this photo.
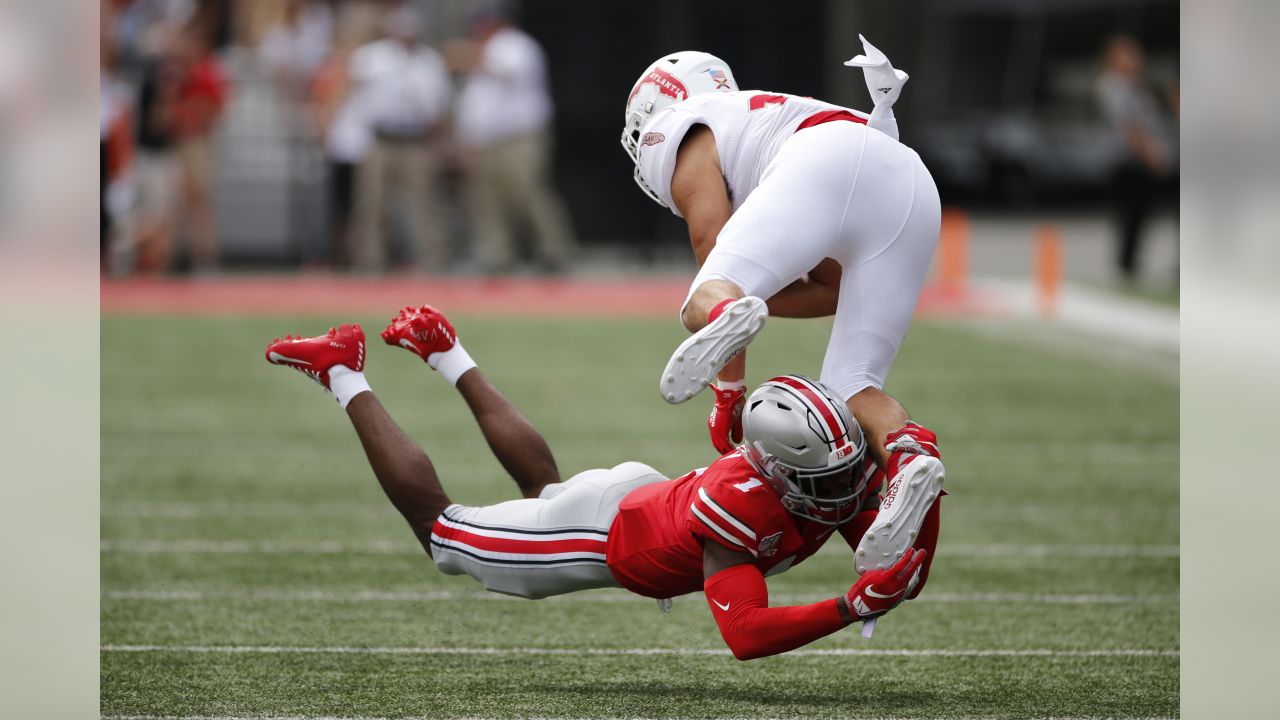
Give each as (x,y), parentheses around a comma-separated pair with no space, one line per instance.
(876,652)
(1159,363)
(187,510)
(604,597)
(386,547)
(264,547)
(1078,551)
(221,508)
(628,717)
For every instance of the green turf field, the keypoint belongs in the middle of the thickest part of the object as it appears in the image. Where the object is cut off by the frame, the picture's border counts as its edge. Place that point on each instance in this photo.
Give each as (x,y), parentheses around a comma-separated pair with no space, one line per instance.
(241,524)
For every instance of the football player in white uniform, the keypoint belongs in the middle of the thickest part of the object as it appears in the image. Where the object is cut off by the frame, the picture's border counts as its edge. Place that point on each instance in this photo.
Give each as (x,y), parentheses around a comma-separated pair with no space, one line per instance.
(798,208)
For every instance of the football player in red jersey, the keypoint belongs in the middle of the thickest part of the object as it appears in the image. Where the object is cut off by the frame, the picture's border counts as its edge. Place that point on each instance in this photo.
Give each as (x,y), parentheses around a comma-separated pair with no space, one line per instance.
(800,476)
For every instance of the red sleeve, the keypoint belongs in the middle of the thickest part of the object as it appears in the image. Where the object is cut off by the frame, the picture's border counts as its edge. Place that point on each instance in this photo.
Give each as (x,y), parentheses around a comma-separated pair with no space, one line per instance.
(735,515)
(928,541)
(739,602)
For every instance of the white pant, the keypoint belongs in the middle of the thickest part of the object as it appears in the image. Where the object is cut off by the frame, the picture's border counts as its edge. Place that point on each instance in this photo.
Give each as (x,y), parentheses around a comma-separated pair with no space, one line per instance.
(538,547)
(839,190)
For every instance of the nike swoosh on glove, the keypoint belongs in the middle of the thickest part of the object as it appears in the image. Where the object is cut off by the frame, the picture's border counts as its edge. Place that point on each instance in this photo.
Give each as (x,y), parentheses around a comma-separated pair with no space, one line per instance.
(883,81)
(725,420)
(879,591)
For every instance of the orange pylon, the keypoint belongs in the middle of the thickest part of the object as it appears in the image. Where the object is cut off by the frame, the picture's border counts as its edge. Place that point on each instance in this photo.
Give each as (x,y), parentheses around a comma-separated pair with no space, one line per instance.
(1048,268)
(953,251)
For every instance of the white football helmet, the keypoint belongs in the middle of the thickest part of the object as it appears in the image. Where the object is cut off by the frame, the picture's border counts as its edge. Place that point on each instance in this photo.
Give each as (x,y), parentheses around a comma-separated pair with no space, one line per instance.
(671,79)
(800,436)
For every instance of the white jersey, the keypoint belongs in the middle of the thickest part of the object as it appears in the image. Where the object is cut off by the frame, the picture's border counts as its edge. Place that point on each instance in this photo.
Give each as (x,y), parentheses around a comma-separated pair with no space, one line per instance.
(749,126)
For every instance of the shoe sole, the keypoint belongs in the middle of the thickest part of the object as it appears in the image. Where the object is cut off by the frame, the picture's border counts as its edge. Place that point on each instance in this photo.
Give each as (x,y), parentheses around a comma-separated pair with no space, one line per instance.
(699,358)
(895,528)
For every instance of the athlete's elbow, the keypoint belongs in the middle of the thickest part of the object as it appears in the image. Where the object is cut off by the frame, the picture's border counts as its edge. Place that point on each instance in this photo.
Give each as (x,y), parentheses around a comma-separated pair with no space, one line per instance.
(743,648)
(749,652)
(745,654)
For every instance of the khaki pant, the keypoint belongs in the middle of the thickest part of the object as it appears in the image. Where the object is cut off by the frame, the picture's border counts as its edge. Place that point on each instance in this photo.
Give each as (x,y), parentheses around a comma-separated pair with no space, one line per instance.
(510,183)
(406,169)
(199,168)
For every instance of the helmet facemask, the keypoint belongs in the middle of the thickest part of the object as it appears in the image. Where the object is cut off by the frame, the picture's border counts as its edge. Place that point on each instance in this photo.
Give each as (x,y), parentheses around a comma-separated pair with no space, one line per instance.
(671,79)
(639,108)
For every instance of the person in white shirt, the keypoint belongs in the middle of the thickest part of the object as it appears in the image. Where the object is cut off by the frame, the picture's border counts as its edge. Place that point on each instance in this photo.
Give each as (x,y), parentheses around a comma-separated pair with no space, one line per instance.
(401,87)
(503,124)
(300,42)
(347,135)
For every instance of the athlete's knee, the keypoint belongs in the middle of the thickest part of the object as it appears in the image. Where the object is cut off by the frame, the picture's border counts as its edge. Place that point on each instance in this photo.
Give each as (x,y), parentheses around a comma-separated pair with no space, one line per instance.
(633,469)
(424,539)
(424,526)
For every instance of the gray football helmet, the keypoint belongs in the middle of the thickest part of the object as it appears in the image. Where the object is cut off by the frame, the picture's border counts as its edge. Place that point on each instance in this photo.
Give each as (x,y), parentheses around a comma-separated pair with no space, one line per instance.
(801,437)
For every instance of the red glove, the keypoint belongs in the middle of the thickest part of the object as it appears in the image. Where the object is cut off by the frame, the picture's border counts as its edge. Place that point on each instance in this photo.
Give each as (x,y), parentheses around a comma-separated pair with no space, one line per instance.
(879,591)
(725,421)
(913,439)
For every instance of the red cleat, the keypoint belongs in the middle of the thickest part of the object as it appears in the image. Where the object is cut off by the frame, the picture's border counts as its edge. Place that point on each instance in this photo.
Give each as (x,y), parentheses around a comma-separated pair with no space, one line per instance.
(423,331)
(314,356)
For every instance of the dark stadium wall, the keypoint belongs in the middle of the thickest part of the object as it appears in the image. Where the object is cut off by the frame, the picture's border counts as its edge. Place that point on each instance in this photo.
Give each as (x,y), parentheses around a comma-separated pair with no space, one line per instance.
(972,61)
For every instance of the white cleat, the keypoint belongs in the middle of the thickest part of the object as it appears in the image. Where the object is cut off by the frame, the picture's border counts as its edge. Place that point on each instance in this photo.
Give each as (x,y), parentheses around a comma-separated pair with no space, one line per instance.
(911,493)
(699,358)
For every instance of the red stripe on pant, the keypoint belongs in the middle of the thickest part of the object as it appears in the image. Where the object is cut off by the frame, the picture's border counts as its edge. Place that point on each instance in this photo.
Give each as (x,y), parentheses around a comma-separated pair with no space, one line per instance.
(549,546)
(827,116)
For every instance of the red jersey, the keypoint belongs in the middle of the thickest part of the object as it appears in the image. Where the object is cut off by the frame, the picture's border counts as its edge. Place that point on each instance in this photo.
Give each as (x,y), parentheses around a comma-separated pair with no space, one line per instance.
(201,96)
(655,542)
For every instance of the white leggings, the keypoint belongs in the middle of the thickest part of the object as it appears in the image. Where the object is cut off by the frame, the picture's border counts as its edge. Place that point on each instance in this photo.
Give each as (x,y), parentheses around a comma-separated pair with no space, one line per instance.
(839,190)
(539,547)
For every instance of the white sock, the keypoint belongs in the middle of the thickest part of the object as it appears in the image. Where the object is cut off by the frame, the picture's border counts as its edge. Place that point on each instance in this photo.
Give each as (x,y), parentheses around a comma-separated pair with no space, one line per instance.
(346,383)
(452,363)
(735,385)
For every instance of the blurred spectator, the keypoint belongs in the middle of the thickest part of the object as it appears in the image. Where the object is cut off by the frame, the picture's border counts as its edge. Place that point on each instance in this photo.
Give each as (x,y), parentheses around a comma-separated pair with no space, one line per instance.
(157,170)
(504,125)
(114,142)
(348,135)
(401,87)
(293,49)
(147,27)
(1142,155)
(199,102)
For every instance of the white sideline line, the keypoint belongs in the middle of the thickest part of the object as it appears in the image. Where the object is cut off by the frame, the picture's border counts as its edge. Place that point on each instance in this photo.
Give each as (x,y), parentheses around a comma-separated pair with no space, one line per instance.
(605,597)
(878,652)
(265,509)
(332,547)
(665,717)
(1078,551)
